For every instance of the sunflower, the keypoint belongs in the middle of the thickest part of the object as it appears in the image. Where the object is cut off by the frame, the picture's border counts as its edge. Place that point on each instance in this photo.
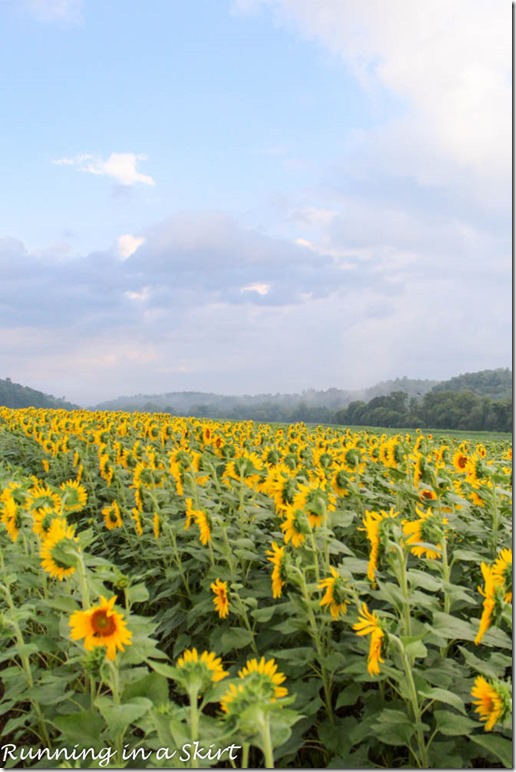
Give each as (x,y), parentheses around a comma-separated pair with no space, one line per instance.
(423,534)
(136,515)
(43,519)
(11,517)
(221,600)
(276,556)
(101,626)
(315,501)
(203,520)
(334,596)
(75,496)
(58,548)
(296,526)
(368,624)
(340,480)
(492,582)
(502,567)
(207,665)
(427,494)
(41,497)
(490,701)
(231,699)
(265,672)
(112,516)
(373,527)
(460,461)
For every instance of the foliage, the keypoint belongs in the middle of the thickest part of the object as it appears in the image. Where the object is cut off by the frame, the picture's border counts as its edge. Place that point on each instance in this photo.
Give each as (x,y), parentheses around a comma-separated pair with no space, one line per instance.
(438,409)
(211,593)
(15,395)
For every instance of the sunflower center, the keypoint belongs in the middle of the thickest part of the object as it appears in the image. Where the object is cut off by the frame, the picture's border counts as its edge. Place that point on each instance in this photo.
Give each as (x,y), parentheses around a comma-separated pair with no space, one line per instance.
(102,624)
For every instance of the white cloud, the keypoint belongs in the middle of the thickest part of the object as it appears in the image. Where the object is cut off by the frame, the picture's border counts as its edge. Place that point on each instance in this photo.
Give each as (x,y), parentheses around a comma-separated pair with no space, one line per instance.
(120,166)
(143,294)
(448,62)
(128,244)
(259,287)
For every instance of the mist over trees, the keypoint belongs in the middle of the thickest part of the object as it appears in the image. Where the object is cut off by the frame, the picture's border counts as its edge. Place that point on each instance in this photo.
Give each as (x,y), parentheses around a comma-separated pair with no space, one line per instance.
(479,401)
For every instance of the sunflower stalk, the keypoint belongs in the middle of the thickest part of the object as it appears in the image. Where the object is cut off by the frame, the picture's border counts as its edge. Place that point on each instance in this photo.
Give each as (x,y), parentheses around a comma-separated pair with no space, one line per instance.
(265,735)
(319,645)
(421,756)
(25,661)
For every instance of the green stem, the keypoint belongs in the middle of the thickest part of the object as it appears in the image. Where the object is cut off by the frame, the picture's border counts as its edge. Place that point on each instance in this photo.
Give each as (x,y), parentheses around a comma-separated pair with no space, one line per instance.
(421,757)
(25,660)
(83,584)
(318,645)
(265,732)
(245,756)
(194,719)
(402,579)
(243,613)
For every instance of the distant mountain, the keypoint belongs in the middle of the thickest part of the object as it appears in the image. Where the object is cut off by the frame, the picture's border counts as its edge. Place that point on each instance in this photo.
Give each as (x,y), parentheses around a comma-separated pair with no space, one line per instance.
(15,395)
(276,407)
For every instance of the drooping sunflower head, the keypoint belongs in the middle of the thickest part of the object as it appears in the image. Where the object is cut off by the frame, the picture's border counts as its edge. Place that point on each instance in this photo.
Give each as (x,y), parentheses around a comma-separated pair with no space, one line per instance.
(11,517)
(335,596)
(492,700)
(112,516)
(277,557)
(59,549)
(369,624)
(221,599)
(502,567)
(103,626)
(204,523)
(424,535)
(493,592)
(315,500)
(376,527)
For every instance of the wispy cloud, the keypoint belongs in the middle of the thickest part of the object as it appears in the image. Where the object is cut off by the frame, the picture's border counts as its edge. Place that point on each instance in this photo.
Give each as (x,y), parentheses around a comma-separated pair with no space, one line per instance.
(69,11)
(120,166)
(448,65)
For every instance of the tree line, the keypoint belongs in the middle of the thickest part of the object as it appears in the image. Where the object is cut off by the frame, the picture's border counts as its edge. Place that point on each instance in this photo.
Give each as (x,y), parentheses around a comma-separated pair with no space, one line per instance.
(436,410)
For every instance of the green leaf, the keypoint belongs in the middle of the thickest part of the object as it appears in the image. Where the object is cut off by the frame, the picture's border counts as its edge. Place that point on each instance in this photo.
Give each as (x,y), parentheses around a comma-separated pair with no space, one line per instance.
(264,614)
(415,649)
(394,727)
(235,638)
(424,580)
(451,628)
(137,593)
(120,717)
(498,746)
(349,695)
(451,724)
(84,728)
(61,603)
(443,695)
(152,686)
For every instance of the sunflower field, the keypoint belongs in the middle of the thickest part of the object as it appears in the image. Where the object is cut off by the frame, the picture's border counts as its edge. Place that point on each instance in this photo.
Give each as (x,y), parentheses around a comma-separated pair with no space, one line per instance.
(184,593)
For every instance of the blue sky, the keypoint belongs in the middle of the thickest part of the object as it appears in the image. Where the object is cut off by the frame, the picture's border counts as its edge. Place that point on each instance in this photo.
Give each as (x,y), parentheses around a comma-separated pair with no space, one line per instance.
(250,196)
